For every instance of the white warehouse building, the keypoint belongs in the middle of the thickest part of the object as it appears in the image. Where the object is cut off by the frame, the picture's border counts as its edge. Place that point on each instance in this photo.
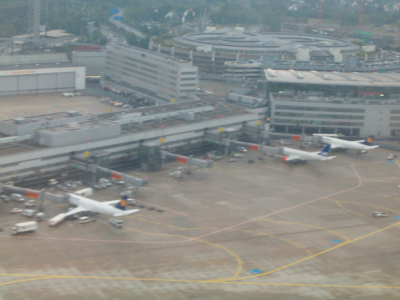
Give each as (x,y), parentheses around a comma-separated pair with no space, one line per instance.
(35,75)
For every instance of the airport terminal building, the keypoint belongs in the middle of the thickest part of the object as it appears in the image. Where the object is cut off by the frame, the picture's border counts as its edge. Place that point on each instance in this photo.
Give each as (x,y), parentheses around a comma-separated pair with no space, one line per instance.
(349,103)
(40,145)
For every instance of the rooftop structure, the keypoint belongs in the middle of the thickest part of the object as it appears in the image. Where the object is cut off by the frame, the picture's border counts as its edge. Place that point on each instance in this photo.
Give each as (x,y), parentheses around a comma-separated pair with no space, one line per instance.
(57,33)
(26,125)
(52,38)
(77,133)
(355,83)
(334,78)
(230,40)
(37,66)
(33,59)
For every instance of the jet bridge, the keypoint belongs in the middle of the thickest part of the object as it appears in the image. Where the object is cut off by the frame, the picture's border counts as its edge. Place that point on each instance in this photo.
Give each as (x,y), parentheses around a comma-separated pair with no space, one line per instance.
(187,160)
(34,193)
(315,138)
(40,195)
(135,181)
(256,147)
(93,168)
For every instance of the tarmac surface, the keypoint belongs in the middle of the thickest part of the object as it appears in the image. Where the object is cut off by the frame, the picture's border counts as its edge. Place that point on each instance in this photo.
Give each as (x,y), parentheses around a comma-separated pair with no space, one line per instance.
(266,230)
(37,104)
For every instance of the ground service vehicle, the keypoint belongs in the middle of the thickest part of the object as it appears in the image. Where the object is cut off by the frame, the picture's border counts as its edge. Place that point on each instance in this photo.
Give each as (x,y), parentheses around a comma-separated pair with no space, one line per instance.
(17,197)
(130,201)
(115,222)
(53,182)
(24,227)
(84,220)
(30,213)
(85,192)
(39,216)
(57,219)
(5,198)
(30,203)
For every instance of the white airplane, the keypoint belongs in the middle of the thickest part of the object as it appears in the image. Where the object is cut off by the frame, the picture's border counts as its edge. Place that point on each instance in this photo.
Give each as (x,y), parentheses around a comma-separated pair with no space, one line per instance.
(296,156)
(105,208)
(338,144)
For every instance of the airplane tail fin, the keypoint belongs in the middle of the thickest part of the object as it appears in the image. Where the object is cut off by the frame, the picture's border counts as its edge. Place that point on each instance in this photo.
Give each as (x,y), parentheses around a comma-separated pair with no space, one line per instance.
(325,150)
(368,141)
(122,204)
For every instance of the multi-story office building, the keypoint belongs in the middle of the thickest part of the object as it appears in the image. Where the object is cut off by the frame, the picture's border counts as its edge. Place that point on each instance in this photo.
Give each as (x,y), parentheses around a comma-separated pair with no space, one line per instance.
(157,75)
(357,104)
(309,113)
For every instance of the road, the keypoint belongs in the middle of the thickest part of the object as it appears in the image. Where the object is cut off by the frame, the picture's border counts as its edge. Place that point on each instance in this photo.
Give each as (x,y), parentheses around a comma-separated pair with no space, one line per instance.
(114,38)
(119,24)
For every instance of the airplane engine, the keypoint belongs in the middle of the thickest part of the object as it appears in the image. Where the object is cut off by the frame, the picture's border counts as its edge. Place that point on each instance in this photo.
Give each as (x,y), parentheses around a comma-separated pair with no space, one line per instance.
(284,158)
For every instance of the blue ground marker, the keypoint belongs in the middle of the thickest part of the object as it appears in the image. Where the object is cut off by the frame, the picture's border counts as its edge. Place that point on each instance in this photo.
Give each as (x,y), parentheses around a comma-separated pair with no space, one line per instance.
(336,241)
(396,217)
(390,161)
(256,271)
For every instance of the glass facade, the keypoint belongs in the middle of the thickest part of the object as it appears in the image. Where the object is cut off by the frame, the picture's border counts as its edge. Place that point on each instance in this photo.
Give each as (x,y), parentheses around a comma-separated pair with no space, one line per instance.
(320,116)
(353,91)
(317,123)
(331,109)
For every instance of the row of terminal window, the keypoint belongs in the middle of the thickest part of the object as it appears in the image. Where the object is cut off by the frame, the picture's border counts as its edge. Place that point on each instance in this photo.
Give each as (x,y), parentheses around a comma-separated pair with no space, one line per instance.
(308,115)
(317,123)
(308,108)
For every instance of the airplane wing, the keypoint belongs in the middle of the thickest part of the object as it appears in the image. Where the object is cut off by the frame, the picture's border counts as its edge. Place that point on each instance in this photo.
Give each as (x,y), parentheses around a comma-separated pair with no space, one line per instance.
(335,146)
(126,212)
(112,202)
(76,210)
(327,158)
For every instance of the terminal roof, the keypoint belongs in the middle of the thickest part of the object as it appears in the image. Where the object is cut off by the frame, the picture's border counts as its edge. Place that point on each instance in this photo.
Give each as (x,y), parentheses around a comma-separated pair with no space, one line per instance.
(333,78)
(46,117)
(38,66)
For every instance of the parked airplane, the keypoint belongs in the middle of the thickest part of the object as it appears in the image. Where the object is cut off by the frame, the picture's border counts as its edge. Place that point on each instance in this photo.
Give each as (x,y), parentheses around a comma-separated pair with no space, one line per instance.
(296,156)
(105,208)
(338,144)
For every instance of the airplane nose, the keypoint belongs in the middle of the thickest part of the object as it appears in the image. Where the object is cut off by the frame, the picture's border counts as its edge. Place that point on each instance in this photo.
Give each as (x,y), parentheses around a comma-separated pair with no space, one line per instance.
(284,158)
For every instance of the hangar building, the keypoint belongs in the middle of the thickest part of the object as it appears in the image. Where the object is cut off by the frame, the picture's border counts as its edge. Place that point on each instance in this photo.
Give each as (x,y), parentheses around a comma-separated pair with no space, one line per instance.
(39,74)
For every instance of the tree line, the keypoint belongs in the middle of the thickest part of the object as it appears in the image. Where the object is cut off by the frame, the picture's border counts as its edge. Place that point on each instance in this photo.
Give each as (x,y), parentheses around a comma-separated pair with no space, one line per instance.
(73,15)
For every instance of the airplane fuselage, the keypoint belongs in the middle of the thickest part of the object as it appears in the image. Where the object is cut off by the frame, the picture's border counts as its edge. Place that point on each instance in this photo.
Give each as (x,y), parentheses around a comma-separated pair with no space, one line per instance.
(93,205)
(303,155)
(342,144)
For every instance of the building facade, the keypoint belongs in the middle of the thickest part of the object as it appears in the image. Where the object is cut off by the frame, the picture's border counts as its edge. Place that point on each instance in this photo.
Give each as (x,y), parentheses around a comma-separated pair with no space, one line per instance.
(51,148)
(94,61)
(41,78)
(157,75)
(353,117)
